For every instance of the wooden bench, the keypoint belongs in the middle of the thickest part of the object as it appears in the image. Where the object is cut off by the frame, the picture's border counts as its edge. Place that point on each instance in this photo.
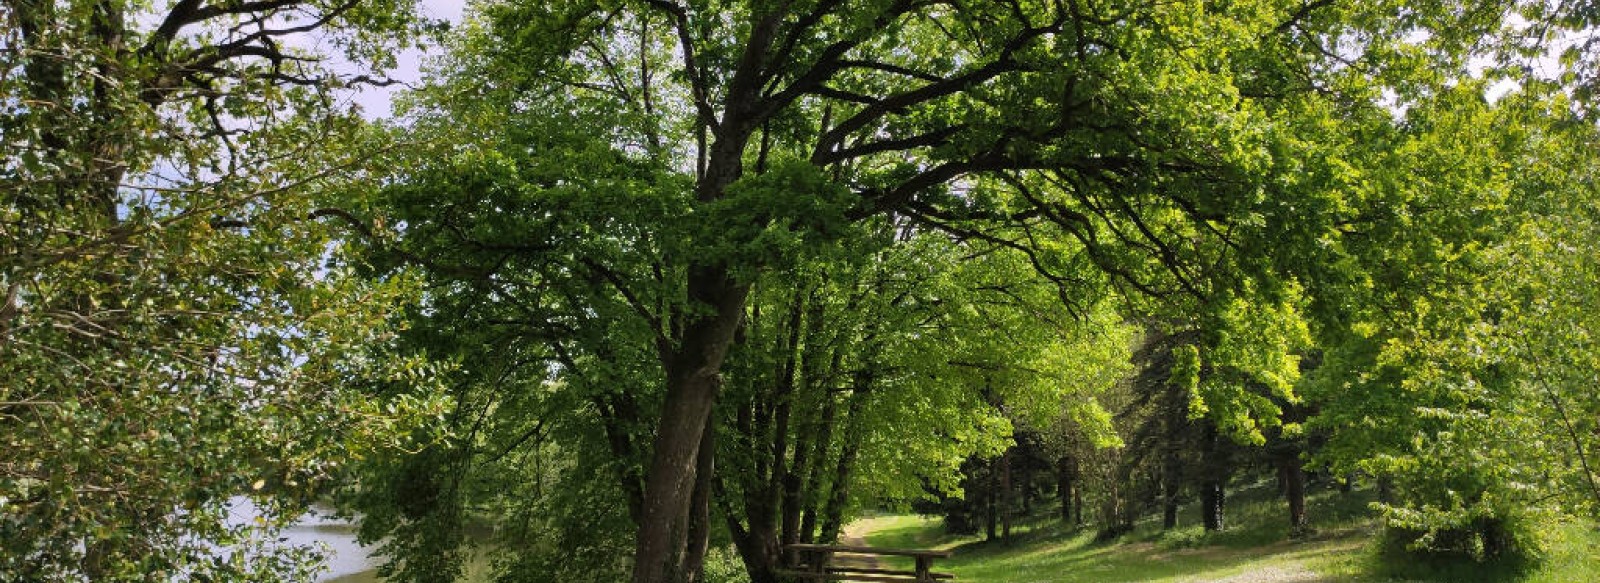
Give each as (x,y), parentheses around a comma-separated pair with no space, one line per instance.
(816,563)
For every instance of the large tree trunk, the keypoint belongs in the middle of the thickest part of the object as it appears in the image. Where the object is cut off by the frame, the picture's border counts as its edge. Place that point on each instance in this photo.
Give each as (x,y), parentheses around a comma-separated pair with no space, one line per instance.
(759,563)
(693,379)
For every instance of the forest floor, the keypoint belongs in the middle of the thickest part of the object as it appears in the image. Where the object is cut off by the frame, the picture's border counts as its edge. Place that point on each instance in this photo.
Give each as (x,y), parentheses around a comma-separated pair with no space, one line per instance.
(1255,548)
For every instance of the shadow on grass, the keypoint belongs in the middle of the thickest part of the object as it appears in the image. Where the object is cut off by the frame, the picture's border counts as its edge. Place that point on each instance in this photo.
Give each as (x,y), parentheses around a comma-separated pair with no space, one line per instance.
(1046,550)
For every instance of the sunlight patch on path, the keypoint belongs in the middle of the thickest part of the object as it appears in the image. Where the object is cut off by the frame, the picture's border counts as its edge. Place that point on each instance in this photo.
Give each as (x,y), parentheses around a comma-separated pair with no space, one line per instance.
(852,534)
(1273,574)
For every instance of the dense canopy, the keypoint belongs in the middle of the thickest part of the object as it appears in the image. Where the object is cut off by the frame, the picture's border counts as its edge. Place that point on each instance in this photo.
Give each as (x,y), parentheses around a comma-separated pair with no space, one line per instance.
(638,282)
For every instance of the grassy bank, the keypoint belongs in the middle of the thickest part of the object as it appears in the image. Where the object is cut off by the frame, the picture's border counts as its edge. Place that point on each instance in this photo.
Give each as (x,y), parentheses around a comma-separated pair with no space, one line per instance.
(1256,548)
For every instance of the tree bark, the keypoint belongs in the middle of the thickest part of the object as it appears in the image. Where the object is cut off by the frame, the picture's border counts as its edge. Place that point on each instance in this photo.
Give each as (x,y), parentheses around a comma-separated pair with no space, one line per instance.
(991,513)
(1214,472)
(1066,475)
(693,380)
(1171,487)
(800,502)
(784,483)
(808,520)
(1386,489)
(1212,498)
(1294,490)
(1077,505)
(758,563)
(833,519)
(1005,495)
(1027,485)
(700,507)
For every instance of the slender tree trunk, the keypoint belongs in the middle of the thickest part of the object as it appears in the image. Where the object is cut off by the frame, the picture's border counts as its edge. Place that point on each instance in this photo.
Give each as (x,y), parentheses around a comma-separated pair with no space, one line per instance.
(819,453)
(808,520)
(1560,407)
(1171,487)
(1005,494)
(1294,482)
(855,429)
(700,507)
(618,412)
(1027,486)
(1214,471)
(1212,498)
(785,484)
(1065,476)
(1077,504)
(991,510)
(1169,515)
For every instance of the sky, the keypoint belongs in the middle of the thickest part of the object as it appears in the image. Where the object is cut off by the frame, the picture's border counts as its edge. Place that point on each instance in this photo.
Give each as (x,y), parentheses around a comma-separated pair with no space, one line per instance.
(375,102)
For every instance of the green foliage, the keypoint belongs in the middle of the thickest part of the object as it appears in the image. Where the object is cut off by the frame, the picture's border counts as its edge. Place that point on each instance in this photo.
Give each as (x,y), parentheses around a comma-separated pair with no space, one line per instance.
(772,219)
(174,330)
(723,566)
(885,235)
(1438,389)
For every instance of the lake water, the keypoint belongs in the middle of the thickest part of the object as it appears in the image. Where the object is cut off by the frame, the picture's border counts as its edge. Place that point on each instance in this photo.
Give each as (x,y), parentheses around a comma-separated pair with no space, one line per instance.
(347,561)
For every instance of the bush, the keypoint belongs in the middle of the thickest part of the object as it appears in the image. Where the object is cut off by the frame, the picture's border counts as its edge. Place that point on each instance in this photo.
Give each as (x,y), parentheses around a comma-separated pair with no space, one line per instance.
(1484,548)
(1183,538)
(1477,534)
(724,566)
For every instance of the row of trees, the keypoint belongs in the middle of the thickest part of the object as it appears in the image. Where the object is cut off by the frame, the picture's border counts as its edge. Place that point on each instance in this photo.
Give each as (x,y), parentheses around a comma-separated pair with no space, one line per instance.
(1439,394)
(644,278)
(1170,457)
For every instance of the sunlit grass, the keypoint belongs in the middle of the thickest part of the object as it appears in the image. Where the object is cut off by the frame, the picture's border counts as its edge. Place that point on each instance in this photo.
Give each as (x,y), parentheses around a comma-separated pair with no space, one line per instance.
(1256,548)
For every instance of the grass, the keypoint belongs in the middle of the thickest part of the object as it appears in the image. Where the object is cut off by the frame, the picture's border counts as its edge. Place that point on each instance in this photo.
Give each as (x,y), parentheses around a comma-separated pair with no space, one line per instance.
(1256,548)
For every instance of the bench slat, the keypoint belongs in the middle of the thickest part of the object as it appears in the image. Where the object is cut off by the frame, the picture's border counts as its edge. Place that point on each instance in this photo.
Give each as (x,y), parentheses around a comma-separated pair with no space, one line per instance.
(831,576)
(869,550)
(870,571)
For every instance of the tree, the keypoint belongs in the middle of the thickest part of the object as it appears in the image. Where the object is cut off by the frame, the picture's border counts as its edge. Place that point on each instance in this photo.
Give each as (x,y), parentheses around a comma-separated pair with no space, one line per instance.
(1057,415)
(173,324)
(1445,359)
(1174,154)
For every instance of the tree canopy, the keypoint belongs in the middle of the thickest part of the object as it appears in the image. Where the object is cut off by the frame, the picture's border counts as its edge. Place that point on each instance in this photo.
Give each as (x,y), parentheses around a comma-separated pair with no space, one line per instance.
(648,278)
(175,325)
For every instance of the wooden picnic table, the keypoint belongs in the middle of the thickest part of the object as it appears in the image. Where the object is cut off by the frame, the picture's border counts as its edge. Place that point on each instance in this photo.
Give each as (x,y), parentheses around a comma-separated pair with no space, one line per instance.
(816,562)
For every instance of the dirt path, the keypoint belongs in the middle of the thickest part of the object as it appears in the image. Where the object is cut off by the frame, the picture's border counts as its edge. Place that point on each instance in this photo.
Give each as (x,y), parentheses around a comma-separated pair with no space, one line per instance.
(852,535)
(1287,574)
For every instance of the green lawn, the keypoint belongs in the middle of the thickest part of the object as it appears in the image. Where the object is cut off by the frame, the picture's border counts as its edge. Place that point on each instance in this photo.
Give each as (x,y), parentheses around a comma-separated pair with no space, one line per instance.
(1255,549)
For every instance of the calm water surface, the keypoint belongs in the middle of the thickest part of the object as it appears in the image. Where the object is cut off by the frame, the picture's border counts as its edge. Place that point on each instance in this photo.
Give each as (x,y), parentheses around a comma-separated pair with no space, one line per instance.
(346,561)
